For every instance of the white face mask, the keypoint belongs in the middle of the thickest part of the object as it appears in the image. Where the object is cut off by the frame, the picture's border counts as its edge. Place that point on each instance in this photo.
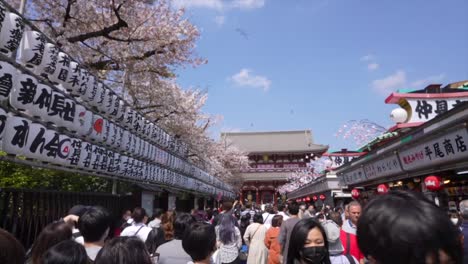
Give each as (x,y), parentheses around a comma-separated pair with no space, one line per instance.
(454,220)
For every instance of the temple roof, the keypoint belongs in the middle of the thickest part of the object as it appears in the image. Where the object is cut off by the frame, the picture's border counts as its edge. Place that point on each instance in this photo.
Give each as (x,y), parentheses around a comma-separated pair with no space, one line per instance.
(298,141)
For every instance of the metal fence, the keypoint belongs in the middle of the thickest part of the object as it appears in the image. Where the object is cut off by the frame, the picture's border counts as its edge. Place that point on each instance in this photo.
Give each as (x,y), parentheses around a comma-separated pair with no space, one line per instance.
(25,213)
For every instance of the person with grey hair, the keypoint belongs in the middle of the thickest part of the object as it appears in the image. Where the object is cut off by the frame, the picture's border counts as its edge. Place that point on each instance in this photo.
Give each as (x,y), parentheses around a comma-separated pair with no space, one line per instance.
(464,227)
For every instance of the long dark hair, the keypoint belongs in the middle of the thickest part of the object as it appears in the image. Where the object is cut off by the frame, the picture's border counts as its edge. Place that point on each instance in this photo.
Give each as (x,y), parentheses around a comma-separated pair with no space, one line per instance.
(299,236)
(51,235)
(66,252)
(227,229)
(406,227)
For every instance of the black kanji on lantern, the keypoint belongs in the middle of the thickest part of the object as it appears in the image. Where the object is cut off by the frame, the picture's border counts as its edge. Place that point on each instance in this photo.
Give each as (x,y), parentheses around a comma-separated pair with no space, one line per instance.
(75,155)
(3,119)
(15,35)
(21,134)
(53,146)
(38,50)
(441,106)
(6,83)
(461,147)
(437,150)
(58,105)
(52,65)
(423,108)
(69,110)
(457,102)
(38,142)
(27,91)
(63,74)
(65,61)
(44,99)
(448,146)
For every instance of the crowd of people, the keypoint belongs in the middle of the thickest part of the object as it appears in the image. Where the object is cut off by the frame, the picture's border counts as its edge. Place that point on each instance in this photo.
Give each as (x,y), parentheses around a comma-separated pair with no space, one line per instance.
(399,227)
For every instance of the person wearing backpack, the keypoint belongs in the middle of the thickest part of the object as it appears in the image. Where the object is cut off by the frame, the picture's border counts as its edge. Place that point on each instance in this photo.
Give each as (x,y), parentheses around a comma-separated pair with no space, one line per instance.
(138,227)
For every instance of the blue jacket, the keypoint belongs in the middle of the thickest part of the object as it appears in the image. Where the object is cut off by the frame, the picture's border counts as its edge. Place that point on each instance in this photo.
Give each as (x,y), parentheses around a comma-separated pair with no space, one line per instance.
(464,227)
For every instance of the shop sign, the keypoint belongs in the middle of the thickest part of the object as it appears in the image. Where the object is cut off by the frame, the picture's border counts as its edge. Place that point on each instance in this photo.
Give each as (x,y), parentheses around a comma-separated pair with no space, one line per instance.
(354,176)
(383,167)
(424,110)
(449,147)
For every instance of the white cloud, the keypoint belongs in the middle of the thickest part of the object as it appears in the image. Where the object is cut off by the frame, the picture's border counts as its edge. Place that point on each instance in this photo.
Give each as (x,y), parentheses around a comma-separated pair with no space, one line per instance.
(219,4)
(428,80)
(368,57)
(373,66)
(247,79)
(219,20)
(213,4)
(390,83)
(248,4)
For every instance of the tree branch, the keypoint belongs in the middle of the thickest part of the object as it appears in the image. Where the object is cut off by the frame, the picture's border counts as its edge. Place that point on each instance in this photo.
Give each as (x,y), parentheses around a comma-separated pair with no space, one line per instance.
(148,106)
(103,32)
(67,12)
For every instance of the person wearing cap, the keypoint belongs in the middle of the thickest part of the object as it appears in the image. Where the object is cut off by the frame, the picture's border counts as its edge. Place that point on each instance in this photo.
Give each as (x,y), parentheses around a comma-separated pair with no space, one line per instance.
(77,211)
(335,248)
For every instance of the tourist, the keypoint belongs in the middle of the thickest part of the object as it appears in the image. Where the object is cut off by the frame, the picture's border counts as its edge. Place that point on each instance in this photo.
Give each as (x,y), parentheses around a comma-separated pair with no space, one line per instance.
(156,237)
(199,242)
(272,242)
(335,247)
(254,237)
(310,212)
(248,211)
(268,216)
(308,243)
(124,250)
(346,238)
(286,229)
(78,211)
(405,227)
(229,240)
(11,250)
(123,222)
(244,223)
(138,227)
(156,222)
(94,225)
(172,252)
(456,219)
(51,235)
(167,224)
(302,209)
(282,210)
(354,212)
(66,252)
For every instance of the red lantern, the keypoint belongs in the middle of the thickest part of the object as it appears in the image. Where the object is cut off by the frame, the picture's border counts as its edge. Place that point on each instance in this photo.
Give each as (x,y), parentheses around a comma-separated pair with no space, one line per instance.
(382,188)
(322,197)
(307,199)
(355,193)
(433,183)
(298,200)
(315,198)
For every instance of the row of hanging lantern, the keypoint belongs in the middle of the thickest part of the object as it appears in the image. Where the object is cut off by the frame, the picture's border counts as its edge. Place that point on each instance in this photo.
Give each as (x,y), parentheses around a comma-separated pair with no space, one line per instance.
(315,198)
(23,137)
(73,100)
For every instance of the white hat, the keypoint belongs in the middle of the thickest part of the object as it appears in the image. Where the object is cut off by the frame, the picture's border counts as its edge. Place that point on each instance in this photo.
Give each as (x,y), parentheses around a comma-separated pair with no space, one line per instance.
(332,231)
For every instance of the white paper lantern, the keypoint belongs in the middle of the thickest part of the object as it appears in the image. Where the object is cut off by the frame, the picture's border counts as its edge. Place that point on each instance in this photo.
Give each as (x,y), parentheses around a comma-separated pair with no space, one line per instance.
(23,93)
(91,91)
(41,102)
(62,70)
(126,141)
(74,79)
(32,48)
(8,78)
(83,121)
(106,102)
(16,135)
(75,154)
(124,161)
(399,115)
(110,134)
(49,61)
(137,146)
(116,165)
(133,145)
(11,33)
(119,135)
(68,114)
(86,154)
(128,118)
(98,100)
(98,128)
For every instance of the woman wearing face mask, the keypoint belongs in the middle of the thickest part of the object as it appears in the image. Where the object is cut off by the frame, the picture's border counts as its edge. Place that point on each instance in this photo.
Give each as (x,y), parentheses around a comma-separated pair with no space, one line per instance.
(308,244)
(456,219)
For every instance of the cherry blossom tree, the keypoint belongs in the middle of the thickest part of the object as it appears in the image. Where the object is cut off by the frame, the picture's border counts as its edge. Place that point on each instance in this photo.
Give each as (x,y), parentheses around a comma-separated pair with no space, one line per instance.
(134,46)
(360,131)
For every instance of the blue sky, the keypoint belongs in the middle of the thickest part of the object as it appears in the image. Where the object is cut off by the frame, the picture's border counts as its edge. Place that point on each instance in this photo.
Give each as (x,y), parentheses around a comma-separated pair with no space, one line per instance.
(315,64)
